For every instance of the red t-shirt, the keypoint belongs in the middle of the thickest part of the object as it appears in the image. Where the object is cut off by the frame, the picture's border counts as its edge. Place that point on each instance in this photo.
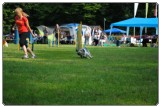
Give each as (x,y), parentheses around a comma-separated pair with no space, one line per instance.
(21,24)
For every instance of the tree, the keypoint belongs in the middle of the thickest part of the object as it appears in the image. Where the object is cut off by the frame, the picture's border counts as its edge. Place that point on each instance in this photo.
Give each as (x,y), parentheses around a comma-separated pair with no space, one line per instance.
(89,13)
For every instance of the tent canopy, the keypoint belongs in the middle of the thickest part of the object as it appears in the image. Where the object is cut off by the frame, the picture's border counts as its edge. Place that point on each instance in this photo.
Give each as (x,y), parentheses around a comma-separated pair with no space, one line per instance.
(114,30)
(71,25)
(137,22)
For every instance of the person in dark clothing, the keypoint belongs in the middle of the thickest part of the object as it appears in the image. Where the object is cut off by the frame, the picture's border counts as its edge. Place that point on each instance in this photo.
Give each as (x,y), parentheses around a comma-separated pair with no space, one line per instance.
(96,39)
(45,35)
(56,33)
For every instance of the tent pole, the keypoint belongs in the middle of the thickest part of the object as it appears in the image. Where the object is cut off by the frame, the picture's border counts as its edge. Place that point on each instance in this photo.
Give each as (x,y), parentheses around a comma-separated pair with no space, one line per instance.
(127,31)
(156,30)
(110,32)
(145,30)
(134,31)
(141,30)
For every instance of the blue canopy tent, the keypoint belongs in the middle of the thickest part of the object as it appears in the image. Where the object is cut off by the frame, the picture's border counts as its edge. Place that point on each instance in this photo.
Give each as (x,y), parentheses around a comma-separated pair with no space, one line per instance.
(137,22)
(72,27)
(114,30)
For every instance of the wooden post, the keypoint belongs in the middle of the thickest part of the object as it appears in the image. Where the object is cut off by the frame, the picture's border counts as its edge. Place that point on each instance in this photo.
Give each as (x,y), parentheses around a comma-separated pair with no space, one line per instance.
(79,39)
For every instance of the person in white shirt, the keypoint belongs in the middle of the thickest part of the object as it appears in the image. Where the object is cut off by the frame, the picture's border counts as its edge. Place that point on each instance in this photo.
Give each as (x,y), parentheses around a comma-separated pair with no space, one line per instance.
(87,35)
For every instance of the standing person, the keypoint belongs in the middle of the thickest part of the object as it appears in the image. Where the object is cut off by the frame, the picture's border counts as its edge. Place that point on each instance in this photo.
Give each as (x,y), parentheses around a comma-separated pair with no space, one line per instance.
(96,37)
(56,33)
(102,38)
(45,31)
(24,30)
(92,32)
(86,35)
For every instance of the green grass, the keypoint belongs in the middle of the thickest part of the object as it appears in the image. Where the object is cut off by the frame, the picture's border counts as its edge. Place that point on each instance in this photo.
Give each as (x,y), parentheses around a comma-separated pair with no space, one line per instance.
(115,76)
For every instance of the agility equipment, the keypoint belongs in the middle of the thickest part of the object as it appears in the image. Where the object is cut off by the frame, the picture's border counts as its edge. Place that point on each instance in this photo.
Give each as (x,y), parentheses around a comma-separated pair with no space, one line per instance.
(79,38)
(50,40)
(82,52)
(16,40)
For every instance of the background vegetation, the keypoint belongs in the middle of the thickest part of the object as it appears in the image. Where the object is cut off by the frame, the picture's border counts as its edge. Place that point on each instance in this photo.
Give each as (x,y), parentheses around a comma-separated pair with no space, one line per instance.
(89,13)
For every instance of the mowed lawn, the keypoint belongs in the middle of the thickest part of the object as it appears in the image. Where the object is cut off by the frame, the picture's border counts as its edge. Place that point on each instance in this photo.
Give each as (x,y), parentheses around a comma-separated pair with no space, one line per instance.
(115,76)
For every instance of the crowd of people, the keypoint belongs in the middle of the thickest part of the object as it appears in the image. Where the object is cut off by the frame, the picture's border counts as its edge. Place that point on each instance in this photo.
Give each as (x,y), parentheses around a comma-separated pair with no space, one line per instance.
(97,35)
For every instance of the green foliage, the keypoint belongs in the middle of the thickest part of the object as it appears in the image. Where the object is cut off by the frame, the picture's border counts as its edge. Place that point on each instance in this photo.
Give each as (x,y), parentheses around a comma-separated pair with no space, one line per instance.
(7,18)
(58,76)
(89,13)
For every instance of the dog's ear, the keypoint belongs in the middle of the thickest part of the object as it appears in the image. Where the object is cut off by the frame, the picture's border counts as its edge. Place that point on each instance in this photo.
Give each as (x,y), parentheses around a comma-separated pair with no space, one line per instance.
(83,50)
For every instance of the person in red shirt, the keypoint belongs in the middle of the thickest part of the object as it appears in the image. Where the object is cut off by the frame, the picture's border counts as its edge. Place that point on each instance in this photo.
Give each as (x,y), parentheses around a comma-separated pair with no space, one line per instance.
(24,30)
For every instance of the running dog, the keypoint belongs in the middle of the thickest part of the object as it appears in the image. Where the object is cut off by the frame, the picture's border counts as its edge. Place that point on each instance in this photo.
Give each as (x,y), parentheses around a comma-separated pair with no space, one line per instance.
(84,53)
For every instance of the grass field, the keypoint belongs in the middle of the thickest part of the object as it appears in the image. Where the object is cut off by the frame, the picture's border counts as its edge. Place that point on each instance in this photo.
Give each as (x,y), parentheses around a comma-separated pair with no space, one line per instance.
(115,76)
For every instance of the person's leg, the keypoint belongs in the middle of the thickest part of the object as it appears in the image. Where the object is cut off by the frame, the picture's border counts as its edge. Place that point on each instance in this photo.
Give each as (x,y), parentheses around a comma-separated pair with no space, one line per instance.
(101,42)
(96,42)
(22,43)
(53,43)
(57,41)
(31,52)
(25,50)
(87,40)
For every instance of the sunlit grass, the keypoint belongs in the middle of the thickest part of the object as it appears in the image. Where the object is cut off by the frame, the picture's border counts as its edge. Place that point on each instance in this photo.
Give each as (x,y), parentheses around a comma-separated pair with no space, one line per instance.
(115,76)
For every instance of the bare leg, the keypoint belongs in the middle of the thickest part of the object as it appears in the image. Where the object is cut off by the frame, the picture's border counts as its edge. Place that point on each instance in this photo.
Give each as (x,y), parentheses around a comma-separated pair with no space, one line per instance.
(25,50)
(30,51)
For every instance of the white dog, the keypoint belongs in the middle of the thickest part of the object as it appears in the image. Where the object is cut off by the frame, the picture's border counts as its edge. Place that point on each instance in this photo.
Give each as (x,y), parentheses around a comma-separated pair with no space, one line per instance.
(84,53)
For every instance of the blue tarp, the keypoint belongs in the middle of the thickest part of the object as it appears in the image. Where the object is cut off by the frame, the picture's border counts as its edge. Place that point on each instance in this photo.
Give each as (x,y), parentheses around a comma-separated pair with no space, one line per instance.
(114,30)
(137,22)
